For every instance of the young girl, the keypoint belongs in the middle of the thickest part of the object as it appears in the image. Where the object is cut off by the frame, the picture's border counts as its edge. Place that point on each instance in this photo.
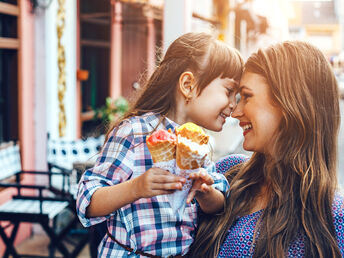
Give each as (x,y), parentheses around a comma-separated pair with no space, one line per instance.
(195,82)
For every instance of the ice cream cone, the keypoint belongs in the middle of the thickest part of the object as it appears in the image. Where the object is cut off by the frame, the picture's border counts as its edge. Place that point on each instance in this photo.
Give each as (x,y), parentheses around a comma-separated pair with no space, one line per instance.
(187,159)
(192,146)
(195,136)
(162,146)
(162,151)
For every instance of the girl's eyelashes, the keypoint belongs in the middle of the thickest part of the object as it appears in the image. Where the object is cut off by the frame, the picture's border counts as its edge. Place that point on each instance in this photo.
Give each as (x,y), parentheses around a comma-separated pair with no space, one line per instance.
(229,91)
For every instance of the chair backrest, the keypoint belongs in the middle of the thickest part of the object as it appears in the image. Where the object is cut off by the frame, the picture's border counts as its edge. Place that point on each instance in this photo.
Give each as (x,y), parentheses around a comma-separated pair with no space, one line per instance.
(66,152)
(9,160)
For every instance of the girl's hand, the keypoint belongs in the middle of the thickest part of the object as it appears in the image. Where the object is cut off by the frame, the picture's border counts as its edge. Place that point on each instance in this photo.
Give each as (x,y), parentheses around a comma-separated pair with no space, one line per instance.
(157,181)
(202,182)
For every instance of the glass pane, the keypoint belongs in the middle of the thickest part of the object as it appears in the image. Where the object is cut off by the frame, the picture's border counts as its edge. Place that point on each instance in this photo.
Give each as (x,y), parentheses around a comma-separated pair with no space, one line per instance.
(10,1)
(94,6)
(96,88)
(97,32)
(8,26)
(8,95)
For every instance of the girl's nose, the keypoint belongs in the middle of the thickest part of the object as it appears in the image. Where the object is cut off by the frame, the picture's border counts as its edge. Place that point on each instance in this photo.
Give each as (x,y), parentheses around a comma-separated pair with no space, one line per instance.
(237,111)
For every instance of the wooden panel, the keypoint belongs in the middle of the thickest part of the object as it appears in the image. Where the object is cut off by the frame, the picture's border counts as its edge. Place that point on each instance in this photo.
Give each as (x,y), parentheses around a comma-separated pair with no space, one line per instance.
(9,9)
(9,43)
(95,43)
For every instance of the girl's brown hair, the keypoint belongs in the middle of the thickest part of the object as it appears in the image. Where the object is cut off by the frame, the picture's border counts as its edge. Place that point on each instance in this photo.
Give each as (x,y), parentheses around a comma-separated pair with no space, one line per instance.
(200,53)
(301,175)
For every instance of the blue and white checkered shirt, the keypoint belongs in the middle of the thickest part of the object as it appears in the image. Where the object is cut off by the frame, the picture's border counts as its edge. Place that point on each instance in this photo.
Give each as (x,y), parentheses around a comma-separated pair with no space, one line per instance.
(148,224)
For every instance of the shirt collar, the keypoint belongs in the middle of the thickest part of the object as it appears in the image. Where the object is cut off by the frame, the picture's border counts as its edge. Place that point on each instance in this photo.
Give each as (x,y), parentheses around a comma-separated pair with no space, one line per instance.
(153,119)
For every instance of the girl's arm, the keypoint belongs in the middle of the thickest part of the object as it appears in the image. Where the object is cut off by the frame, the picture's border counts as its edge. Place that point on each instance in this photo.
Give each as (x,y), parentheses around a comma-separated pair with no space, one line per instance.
(154,181)
(210,199)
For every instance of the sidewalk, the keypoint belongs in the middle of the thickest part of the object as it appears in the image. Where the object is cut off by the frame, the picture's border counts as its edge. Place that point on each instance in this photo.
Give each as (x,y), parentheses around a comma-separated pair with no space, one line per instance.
(38,245)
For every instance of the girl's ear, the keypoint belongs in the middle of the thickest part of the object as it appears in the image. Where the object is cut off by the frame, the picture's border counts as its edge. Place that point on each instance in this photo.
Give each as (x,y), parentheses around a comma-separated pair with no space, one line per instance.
(186,84)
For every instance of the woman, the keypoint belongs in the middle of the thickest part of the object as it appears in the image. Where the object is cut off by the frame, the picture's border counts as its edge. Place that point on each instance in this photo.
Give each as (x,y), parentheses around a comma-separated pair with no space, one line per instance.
(283,202)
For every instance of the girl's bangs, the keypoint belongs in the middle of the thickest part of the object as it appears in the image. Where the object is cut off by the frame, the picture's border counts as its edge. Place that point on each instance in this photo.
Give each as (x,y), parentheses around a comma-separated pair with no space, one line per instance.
(224,62)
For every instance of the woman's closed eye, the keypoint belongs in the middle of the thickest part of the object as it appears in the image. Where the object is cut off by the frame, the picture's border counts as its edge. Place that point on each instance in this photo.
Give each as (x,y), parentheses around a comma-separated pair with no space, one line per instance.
(245,96)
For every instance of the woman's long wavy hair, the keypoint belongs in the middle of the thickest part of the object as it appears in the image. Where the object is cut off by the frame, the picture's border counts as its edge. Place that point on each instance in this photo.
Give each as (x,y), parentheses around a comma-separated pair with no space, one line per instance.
(301,175)
(200,53)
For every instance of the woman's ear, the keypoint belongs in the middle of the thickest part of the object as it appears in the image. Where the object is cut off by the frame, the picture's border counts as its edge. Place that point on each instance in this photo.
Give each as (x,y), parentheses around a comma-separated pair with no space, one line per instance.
(186,84)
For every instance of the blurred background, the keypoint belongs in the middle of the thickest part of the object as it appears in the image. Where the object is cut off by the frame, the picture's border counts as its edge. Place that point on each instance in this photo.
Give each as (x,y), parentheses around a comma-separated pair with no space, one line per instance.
(68,67)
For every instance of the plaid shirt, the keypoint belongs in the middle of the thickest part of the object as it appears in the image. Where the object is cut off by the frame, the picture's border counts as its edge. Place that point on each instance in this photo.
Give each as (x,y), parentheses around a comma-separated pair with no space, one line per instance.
(148,224)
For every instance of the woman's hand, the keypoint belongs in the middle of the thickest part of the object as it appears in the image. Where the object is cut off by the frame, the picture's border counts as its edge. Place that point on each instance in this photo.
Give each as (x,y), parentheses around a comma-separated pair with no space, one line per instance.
(202,182)
(156,181)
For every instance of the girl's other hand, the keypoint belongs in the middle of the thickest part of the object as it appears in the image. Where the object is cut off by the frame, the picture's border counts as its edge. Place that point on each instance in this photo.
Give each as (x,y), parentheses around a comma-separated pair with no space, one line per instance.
(157,181)
(202,182)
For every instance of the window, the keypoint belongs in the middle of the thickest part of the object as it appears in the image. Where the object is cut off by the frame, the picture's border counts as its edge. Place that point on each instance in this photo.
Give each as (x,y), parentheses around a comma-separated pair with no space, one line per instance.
(95,40)
(9,45)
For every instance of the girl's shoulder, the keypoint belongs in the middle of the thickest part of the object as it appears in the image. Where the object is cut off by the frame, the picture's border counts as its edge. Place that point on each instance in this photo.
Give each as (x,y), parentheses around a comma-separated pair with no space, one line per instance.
(136,125)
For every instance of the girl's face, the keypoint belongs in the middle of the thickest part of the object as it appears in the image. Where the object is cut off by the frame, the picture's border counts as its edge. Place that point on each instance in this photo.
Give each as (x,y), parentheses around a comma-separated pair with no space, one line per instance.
(259,116)
(215,103)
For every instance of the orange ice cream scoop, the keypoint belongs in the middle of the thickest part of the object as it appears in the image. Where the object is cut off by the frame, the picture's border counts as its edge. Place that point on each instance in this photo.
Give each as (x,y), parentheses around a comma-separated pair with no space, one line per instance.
(162,145)
(192,132)
(192,146)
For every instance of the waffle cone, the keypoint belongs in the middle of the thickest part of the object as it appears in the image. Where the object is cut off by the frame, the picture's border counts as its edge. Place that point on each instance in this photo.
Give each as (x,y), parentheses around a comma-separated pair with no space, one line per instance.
(194,136)
(162,151)
(188,159)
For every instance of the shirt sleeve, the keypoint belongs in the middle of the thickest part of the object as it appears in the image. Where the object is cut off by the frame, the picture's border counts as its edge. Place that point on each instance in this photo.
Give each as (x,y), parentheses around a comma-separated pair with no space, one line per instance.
(114,165)
(220,181)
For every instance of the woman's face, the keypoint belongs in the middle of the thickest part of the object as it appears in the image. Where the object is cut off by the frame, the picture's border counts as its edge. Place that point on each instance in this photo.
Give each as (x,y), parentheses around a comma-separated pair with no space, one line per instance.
(258,115)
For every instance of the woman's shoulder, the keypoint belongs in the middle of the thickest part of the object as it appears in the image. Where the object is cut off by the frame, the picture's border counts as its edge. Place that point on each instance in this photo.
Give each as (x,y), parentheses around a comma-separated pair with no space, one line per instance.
(338,205)
(338,218)
(226,163)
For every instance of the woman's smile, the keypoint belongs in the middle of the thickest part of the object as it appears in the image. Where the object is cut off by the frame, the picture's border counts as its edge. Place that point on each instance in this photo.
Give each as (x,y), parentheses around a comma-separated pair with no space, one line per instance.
(246,127)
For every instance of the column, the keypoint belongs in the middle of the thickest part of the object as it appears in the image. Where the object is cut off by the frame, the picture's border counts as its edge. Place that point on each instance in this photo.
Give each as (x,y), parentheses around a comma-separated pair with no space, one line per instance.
(177,20)
(116,50)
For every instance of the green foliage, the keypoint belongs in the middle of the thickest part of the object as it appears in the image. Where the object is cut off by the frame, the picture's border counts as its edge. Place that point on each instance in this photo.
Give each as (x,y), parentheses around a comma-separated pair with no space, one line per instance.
(112,110)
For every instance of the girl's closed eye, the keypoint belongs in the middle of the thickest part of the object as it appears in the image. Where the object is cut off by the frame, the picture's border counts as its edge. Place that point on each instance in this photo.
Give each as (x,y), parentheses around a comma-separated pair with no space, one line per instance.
(229,91)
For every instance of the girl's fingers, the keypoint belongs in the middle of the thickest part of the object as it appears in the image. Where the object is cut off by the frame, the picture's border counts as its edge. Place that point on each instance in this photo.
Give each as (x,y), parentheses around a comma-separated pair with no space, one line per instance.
(206,178)
(168,179)
(205,188)
(167,186)
(191,195)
